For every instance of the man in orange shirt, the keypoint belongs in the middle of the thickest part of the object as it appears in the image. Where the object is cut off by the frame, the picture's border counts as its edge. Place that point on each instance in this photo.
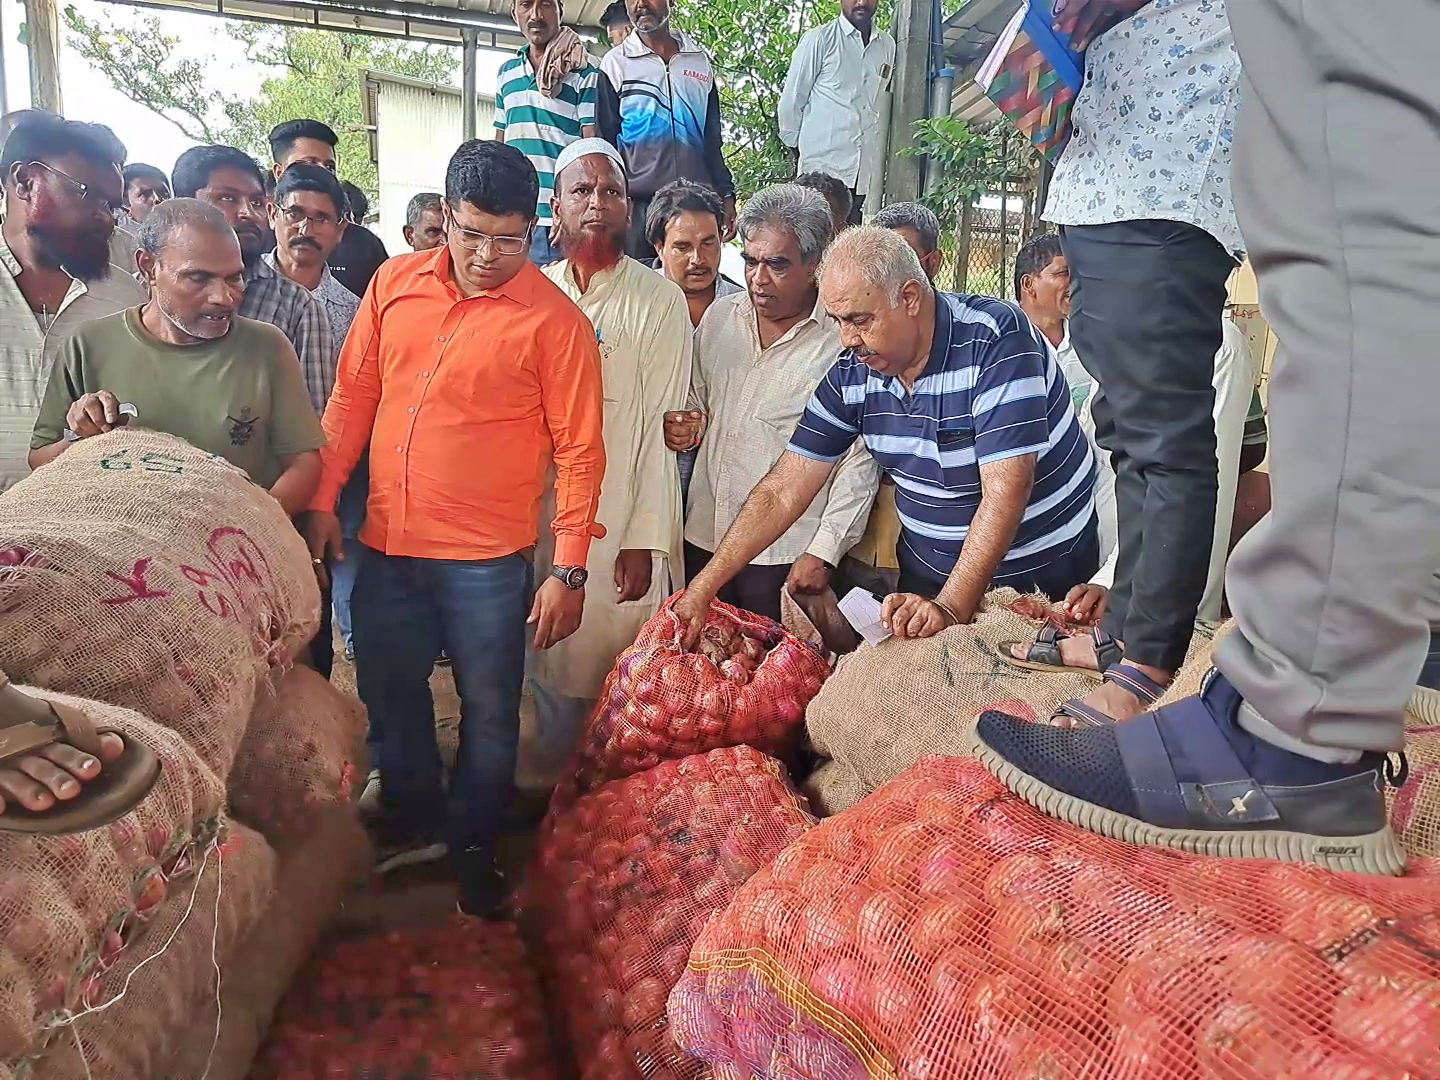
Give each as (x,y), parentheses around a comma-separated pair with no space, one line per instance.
(466,372)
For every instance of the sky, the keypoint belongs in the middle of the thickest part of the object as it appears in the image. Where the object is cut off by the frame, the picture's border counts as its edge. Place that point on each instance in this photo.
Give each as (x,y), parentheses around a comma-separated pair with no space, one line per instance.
(88,95)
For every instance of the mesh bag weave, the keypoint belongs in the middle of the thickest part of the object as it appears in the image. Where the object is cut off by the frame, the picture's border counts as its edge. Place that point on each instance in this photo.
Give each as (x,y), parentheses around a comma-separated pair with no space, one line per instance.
(889,705)
(1415,807)
(623,883)
(134,1013)
(443,1003)
(944,930)
(70,905)
(141,571)
(660,703)
(300,751)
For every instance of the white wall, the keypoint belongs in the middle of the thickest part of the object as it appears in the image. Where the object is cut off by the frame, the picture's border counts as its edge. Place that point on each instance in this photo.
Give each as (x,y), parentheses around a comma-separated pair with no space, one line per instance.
(417,130)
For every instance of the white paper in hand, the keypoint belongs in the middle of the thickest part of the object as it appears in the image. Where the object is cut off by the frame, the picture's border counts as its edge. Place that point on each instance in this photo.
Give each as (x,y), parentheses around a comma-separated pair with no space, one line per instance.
(862,611)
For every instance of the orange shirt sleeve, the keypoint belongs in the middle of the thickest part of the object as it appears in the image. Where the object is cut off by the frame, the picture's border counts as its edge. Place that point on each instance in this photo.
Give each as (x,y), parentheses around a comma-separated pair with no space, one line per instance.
(350,413)
(573,398)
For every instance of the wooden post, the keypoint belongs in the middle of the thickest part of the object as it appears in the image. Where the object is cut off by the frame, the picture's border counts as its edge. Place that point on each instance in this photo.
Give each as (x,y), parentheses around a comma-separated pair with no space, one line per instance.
(42,37)
(469,41)
(962,252)
(903,174)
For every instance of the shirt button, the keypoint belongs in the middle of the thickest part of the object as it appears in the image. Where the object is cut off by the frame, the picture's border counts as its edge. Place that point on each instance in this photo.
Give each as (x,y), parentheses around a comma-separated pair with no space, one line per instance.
(399,449)
(411,409)
(440,338)
(424,374)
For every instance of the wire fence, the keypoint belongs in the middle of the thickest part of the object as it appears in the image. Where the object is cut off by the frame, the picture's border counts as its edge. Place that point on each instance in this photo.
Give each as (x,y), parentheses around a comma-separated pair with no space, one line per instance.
(982,245)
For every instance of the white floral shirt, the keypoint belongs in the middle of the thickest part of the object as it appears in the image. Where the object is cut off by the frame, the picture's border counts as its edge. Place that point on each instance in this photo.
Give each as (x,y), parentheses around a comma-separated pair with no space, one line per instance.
(1154,124)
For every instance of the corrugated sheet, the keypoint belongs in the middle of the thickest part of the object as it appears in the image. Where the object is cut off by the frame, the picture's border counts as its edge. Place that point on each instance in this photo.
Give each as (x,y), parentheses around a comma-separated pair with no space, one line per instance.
(417,128)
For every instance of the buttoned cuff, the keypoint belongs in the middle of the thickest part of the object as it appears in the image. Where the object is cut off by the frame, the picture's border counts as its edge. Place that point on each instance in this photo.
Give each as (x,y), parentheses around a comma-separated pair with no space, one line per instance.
(572,550)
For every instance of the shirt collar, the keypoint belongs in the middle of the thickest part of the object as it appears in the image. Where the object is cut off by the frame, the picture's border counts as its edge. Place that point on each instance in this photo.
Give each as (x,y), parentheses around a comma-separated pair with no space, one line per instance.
(261,268)
(816,317)
(12,265)
(635,46)
(325,276)
(847,27)
(520,288)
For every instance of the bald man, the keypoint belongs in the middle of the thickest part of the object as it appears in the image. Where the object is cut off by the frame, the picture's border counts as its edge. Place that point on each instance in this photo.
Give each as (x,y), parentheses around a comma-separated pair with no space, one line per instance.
(994,481)
(643,325)
(189,364)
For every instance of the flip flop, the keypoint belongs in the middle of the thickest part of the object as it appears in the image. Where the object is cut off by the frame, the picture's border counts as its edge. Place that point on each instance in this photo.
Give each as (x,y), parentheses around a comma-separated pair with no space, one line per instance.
(119,788)
(1044,654)
(1121,674)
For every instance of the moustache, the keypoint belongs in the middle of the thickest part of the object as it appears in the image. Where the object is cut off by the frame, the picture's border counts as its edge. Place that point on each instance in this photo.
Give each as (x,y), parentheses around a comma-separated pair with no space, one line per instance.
(304,241)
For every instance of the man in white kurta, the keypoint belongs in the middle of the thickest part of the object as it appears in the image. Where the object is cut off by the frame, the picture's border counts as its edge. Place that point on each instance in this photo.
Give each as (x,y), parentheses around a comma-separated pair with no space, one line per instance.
(643,327)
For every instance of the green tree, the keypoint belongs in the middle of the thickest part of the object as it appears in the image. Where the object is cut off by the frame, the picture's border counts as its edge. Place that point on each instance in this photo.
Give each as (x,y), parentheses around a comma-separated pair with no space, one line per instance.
(313,73)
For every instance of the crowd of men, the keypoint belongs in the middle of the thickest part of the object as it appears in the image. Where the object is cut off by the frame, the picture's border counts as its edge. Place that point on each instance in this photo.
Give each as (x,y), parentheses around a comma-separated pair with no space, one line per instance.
(511,444)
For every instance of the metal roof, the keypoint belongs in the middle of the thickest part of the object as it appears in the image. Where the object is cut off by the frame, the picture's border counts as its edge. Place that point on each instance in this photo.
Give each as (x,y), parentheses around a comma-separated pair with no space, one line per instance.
(437,21)
(969,34)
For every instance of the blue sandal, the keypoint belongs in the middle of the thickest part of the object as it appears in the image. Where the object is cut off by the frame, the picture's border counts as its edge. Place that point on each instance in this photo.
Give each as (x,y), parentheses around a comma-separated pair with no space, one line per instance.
(1121,674)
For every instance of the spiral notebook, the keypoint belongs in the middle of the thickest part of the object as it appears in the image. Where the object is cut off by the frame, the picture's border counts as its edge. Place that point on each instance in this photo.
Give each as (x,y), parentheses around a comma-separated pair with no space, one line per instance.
(1032,75)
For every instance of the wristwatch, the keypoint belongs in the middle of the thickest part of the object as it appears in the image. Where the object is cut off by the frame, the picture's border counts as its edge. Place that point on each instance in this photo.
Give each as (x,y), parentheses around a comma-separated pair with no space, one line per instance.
(572,577)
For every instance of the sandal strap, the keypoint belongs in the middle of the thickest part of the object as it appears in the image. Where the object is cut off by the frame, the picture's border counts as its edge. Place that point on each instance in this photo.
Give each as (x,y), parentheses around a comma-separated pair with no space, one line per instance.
(1136,681)
(1086,714)
(1107,650)
(1045,649)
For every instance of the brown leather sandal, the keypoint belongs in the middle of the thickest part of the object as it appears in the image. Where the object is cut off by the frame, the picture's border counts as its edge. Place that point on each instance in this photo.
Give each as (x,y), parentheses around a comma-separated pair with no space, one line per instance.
(119,788)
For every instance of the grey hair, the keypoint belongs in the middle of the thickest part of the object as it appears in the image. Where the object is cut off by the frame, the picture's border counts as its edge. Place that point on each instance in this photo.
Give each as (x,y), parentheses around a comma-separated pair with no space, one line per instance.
(911,215)
(802,212)
(418,204)
(881,258)
(159,227)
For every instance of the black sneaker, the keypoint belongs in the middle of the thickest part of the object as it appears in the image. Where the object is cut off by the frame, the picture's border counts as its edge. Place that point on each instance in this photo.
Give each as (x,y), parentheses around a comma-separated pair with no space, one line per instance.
(1188,776)
(484,892)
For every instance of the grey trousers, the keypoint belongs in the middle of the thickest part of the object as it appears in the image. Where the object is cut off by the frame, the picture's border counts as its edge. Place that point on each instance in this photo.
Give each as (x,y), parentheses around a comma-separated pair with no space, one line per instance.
(1336,159)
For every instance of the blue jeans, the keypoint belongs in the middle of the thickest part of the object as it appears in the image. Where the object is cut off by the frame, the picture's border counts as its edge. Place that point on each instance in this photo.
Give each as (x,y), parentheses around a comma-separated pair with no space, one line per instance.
(351,511)
(406,610)
(542,251)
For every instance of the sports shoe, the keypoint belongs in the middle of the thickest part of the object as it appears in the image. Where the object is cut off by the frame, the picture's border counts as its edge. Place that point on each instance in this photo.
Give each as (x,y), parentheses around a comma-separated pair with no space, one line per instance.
(484,892)
(1188,776)
(369,804)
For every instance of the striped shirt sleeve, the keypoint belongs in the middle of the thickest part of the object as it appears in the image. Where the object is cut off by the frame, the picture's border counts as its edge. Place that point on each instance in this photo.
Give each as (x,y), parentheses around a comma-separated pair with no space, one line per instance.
(831,421)
(499,122)
(589,95)
(1010,396)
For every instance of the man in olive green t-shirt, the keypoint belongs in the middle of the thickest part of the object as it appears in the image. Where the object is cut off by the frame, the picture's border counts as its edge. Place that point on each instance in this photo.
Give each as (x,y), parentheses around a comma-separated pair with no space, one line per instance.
(189,364)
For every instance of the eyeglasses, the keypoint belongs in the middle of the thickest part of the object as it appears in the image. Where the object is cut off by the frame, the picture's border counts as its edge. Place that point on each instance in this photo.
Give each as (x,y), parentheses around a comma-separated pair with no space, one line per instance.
(471,240)
(86,192)
(297,217)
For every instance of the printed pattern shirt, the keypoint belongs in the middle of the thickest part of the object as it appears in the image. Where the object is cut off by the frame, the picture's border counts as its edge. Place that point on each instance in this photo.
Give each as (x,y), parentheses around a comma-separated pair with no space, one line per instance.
(540,126)
(273,298)
(1154,124)
(992,390)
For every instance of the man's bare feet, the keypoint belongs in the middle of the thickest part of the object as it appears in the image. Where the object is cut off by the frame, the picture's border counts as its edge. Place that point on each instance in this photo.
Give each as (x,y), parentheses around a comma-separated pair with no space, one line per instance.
(53,773)
(1114,700)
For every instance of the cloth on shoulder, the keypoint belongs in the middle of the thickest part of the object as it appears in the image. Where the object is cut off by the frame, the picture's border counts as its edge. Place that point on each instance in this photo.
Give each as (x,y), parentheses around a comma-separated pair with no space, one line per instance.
(565,53)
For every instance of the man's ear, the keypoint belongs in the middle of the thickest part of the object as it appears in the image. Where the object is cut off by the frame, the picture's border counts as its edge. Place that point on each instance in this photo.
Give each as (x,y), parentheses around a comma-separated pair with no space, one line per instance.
(22,178)
(911,294)
(147,263)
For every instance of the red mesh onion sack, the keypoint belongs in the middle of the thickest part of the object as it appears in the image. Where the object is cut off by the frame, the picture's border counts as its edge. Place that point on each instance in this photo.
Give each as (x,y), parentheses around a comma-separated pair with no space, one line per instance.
(446,1002)
(624,881)
(942,929)
(748,682)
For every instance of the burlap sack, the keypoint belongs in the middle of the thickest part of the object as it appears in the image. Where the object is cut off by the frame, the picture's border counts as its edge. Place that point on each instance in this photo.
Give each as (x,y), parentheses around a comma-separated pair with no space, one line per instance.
(71,904)
(138,570)
(1415,808)
(833,787)
(310,885)
(304,747)
(135,1013)
(889,705)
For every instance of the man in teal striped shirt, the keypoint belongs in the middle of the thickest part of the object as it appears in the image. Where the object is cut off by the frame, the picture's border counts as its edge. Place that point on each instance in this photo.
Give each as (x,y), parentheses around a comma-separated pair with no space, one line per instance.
(544,101)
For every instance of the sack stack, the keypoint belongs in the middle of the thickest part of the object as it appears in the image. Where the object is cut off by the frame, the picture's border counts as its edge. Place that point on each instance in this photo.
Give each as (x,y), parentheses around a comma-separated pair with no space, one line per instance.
(170,596)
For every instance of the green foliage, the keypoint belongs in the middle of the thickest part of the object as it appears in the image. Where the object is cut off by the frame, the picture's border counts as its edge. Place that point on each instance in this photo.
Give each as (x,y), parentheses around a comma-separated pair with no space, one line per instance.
(316,74)
(971,163)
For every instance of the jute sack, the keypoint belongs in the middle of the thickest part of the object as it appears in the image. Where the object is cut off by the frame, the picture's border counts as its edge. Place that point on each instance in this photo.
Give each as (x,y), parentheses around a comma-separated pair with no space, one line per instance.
(138,570)
(72,905)
(1415,807)
(141,1007)
(889,705)
(833,787)
(303,748)
(310,884)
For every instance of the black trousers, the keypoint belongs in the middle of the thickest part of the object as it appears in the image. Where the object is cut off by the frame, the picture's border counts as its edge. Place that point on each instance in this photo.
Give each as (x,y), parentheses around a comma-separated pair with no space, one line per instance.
(1148,297)
(756,588)
(1056,578)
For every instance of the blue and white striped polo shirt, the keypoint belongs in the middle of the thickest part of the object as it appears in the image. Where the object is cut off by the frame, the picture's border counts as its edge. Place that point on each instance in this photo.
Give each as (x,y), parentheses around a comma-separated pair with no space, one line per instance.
(992,390)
